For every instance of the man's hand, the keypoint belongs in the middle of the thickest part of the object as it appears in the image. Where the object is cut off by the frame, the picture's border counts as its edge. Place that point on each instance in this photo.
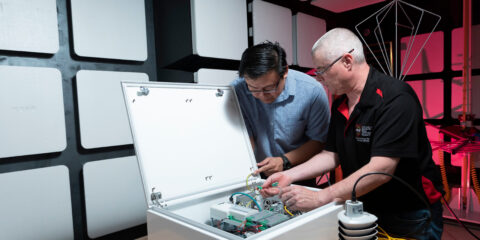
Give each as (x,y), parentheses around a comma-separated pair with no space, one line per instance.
(302,199)
(270,189)
(270,165)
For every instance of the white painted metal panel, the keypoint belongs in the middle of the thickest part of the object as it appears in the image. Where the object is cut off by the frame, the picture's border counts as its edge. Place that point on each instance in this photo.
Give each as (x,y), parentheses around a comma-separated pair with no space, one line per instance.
(172,118)
(308,30)
(219,28)
(29,26)
(36,204)
(215,76)
(114,29)
(102,113)
(114,196)
(33,116)
(274,23)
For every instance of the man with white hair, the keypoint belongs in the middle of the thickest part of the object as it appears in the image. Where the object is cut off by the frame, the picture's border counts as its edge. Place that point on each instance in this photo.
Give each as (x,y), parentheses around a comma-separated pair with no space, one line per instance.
(376,126)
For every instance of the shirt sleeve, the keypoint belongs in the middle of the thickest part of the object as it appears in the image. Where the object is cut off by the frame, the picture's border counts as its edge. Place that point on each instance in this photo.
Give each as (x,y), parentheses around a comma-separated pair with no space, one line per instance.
(331,137)
(396,128)
(319,117)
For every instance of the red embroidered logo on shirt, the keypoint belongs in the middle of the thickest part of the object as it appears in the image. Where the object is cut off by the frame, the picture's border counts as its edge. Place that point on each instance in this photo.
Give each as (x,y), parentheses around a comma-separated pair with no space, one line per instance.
(379,92)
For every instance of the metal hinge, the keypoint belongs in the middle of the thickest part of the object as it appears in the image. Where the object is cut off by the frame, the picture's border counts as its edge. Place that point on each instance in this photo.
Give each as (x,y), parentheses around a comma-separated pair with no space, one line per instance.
(144,91)
(156,198)
(219,93)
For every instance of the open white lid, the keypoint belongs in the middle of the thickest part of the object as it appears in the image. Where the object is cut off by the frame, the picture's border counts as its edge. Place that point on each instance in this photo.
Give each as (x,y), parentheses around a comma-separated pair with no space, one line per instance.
(188,138)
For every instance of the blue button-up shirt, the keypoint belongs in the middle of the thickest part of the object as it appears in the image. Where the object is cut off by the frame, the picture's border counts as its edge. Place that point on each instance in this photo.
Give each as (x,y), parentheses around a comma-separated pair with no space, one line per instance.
(299,114)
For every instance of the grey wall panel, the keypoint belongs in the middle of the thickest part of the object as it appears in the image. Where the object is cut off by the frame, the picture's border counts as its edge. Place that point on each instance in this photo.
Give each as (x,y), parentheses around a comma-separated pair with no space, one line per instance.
(113,29)
(102,112)
(215,76)
(219,28)
(36,204)
(194,34)
(74,156)
(29,26)
(114,197)
(33,116)
(308,30)
(274,23)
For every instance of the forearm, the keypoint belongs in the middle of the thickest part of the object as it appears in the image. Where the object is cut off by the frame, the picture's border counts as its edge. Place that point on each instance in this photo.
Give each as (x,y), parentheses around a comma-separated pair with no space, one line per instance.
(317,165)
(343,189)
(304,152)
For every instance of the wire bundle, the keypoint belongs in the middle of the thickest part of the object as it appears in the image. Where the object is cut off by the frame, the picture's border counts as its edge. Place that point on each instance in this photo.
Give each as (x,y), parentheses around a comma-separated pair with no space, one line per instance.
(383,235)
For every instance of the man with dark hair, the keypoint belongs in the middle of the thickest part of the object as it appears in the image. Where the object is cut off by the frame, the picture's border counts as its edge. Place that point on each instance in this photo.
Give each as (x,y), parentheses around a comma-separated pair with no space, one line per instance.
(286,112)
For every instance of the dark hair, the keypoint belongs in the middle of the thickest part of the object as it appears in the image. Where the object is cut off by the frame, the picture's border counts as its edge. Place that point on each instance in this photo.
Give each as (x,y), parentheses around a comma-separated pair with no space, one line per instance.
(262,58)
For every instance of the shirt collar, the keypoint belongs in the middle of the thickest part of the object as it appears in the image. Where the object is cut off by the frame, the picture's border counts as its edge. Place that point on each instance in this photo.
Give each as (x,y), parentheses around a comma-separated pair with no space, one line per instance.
(289,88)
(369,96)
(371,92)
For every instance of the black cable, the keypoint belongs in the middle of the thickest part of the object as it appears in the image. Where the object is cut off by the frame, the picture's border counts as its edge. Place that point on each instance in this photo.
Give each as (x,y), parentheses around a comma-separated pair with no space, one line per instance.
(354,196)
(458,220)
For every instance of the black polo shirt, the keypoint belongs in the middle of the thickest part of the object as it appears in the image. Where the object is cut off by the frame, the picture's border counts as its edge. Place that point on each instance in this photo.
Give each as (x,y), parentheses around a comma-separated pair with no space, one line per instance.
(387,121)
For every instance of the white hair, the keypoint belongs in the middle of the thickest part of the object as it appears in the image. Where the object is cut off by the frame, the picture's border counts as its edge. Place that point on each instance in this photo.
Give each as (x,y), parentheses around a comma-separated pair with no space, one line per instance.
(338,41)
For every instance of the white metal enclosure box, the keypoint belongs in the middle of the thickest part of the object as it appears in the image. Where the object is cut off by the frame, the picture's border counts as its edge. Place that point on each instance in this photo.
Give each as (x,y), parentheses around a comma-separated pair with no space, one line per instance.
(194,152)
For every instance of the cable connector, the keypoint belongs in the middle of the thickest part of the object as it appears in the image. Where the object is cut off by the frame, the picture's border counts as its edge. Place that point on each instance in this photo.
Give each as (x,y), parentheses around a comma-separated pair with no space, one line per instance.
(353,217)
(353,208)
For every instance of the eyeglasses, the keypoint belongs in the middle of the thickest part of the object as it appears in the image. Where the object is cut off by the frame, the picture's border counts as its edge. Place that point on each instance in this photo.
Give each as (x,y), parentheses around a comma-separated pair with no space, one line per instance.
(322,71)
(268,89)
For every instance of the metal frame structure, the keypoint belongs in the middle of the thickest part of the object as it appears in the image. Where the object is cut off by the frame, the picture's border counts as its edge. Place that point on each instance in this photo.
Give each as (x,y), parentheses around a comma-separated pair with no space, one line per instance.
(380,16)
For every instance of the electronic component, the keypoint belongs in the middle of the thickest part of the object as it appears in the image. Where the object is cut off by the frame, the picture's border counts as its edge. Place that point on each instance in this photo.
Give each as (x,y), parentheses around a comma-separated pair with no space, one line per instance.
(274,220)
(247,213)
(267,218)
(227,225)
(273,204)
(259,216)
(245,221)
(244,200)
(277,207)
(225,209)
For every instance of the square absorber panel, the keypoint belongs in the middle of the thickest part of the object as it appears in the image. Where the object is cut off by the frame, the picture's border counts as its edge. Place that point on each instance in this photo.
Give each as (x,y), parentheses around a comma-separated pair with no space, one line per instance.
(219,28)
(116,182)
(36,204)
(457,97)
(430,94)
(307,30)
(101,107)
(215,76)
(33,116)
(435,139)
(457,48)
(29,26)
(422,53)
(274,23)
(113,29)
